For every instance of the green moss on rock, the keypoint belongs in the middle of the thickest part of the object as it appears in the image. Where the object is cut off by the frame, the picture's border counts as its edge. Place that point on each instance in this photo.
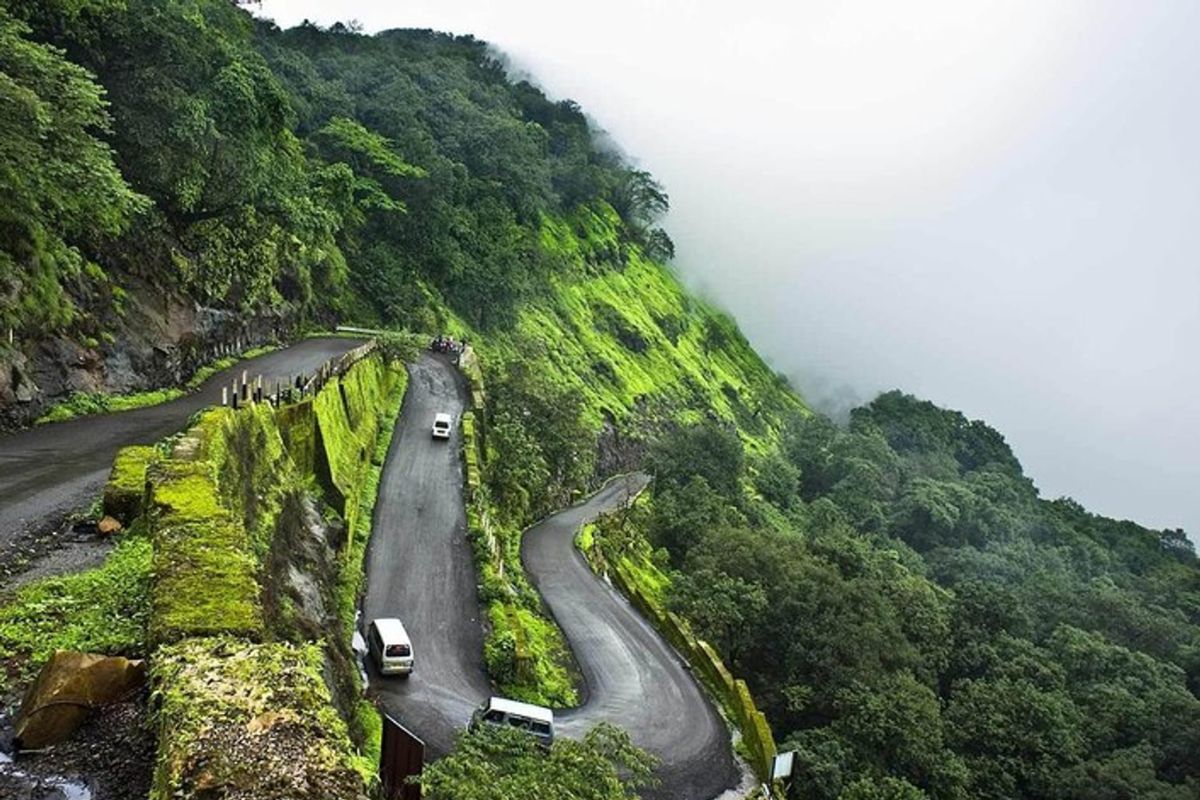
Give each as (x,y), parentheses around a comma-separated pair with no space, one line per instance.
(183,491)
(348,411)
(252,468)
(206,581)
(252,721)
(298,431)
(127,482)
(206,576)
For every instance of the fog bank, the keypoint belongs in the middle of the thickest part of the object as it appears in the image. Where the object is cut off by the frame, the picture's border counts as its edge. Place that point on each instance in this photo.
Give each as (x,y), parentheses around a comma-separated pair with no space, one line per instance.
(993,205)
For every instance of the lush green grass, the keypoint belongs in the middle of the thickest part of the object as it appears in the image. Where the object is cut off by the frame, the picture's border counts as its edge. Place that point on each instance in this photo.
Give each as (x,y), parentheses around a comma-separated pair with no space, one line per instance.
(524,652)
(630,340)
(82,404)
(103,610)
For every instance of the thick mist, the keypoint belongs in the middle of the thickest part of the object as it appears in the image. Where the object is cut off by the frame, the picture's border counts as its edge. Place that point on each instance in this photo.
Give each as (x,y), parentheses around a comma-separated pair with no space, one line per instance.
(993,205)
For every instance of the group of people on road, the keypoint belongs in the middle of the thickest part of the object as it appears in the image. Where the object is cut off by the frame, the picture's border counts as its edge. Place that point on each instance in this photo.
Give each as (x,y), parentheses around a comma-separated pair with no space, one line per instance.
(446,344)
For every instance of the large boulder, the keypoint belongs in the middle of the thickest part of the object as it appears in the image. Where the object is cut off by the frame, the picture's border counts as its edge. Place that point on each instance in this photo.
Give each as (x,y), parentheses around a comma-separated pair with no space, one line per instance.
(69,688)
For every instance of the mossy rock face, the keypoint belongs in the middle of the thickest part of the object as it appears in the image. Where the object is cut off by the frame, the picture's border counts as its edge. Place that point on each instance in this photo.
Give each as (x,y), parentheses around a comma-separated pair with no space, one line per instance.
(183,491)
(347,414)
(297,428)
(252,467)
(205,572)
(205,582)
(126,485)
(252,721)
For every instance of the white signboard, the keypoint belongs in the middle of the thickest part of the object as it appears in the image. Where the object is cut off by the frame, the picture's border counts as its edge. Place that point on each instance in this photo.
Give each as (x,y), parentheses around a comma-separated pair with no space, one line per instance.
(781,767)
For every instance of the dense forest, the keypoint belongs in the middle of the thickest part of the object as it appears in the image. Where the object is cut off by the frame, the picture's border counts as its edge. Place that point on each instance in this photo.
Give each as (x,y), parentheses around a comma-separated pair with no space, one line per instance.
(918,622)
(321,171)
(913,617)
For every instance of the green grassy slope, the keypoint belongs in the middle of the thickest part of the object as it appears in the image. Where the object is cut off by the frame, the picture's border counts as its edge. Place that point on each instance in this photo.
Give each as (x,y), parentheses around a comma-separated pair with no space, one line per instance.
(614,353)
(620,331)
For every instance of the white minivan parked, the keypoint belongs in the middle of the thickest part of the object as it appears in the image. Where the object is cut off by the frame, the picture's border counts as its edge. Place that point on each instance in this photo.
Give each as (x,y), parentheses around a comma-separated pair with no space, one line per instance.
(390,646)
(537,721)
(442,424)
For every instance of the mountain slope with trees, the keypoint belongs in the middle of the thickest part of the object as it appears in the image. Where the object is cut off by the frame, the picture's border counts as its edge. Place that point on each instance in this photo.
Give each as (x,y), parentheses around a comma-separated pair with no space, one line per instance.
(914,618)
(917,622)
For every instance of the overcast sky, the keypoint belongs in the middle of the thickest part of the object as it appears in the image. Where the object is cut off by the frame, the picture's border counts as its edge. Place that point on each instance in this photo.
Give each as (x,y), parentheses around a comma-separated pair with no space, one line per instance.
(993,205)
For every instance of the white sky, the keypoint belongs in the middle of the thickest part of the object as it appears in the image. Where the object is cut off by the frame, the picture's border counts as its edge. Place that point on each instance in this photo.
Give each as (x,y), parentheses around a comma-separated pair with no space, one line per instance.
(994,204)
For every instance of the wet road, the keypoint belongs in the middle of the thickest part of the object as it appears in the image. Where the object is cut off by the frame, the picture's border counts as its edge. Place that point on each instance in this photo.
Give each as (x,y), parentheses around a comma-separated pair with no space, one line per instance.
(633,678)
(51,470)
(419,563)
(419,568)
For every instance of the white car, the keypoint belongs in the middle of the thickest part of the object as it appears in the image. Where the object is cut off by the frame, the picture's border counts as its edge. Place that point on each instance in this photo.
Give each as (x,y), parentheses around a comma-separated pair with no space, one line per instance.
(442,425)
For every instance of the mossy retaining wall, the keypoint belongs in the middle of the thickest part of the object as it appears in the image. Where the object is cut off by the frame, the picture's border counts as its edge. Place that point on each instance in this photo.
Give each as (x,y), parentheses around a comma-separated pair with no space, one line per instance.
(242,712)
(126,484)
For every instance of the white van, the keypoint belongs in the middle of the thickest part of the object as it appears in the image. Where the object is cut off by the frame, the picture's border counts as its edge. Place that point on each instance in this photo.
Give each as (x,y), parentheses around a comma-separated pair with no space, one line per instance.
(390,647)
(442,424)
(537,721)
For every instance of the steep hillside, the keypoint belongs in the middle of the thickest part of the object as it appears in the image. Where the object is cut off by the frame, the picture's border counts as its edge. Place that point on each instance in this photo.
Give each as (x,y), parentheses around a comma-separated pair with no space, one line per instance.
(195,175)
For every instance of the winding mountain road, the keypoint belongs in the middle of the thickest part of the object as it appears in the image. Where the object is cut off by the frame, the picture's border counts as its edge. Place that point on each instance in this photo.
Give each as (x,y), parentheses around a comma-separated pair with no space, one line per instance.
(51,470)
(419,568)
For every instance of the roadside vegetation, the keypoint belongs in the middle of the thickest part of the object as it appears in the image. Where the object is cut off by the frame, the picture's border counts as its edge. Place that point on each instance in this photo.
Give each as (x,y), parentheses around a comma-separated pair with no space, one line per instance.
(496,764)
(82,404)
(101,610)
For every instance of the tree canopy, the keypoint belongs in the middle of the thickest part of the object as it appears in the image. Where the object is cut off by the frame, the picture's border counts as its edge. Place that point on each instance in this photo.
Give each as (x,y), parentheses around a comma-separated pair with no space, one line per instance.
(504,764)
(917,622)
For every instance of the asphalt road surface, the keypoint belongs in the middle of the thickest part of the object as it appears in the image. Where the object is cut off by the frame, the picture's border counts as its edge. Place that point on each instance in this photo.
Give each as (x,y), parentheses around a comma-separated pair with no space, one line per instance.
(51,470)
(632,677)
(419,568)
